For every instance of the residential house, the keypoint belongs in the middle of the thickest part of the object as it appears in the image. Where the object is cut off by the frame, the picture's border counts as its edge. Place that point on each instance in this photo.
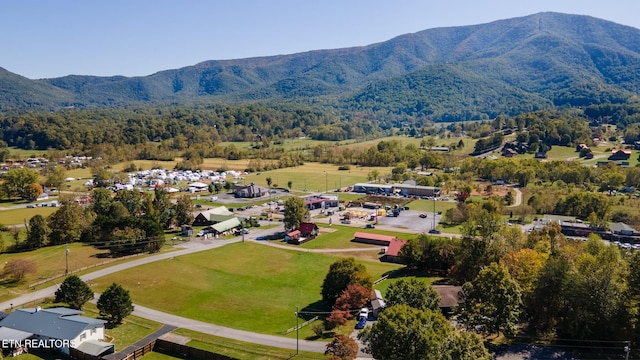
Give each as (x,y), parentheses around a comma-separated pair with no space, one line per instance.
(304,232)
(540,155)
(64,328)
(620,154)
(308,230)
(449,298)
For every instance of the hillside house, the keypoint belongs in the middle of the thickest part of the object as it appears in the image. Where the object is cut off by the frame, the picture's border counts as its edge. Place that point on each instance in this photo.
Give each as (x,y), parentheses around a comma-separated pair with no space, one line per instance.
(60,326)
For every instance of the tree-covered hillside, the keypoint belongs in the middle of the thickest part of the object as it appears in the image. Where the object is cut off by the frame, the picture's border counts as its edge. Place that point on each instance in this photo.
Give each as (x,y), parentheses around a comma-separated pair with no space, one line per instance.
(457,73)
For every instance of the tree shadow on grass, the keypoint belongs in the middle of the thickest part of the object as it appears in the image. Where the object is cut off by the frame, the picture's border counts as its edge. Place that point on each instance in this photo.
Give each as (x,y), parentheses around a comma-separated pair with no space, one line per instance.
(10,282)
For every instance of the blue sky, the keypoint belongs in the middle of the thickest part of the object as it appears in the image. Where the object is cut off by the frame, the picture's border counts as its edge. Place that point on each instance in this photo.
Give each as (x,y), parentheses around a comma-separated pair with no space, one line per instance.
(51,38)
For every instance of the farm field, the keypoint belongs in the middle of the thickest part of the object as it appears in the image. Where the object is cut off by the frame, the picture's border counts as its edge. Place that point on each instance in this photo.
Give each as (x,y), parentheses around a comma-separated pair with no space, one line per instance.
(244,286)
(314,177)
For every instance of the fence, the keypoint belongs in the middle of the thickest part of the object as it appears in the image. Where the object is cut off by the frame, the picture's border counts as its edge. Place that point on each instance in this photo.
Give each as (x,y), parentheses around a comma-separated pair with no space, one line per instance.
(290,330)
(44,281)
(188,351)
(380,280)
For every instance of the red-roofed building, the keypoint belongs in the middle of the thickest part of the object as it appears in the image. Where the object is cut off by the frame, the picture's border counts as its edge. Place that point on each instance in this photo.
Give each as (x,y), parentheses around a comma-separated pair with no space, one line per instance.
(309,230)
(392,243)
(373,239)
(304,233)
(393,250)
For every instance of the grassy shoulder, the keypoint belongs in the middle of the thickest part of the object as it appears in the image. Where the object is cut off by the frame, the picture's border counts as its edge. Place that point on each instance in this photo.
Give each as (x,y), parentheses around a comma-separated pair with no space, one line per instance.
(240,349)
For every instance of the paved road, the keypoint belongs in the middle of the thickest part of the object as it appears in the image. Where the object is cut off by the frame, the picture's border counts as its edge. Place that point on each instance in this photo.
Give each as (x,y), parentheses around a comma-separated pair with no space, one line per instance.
(196,325)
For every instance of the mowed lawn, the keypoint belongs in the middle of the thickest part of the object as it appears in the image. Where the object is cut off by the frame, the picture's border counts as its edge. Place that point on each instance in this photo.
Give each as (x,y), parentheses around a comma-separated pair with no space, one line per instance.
(244,286)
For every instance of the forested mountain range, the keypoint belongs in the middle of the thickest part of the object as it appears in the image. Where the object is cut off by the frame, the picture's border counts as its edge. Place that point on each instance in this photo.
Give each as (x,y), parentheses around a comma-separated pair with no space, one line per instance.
(456,73)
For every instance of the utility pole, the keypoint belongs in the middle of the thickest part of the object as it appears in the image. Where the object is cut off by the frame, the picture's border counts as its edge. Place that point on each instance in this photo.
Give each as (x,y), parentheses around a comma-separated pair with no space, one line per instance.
(66,269)
(297,341)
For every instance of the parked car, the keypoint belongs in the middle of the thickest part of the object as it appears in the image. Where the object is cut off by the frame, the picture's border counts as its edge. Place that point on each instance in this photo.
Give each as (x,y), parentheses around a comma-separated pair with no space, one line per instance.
(370,226)
(362,322)
(423,215)
(435,231)
(364,312)
(31,206)
(346,221)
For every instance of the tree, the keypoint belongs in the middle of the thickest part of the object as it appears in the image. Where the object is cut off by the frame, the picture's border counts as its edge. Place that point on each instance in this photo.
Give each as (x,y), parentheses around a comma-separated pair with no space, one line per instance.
(162,205)
(17,269)
(413,293)
(342,273)
(464,346)
(115,304)
(354,297)
(182,210)
(403,332)
(491,302)
(32,192)
(342,348)
(289,184)
(37,232)
(269,181)
(74,292)
(56,177)
(67,223)
(295,212)
(18,182)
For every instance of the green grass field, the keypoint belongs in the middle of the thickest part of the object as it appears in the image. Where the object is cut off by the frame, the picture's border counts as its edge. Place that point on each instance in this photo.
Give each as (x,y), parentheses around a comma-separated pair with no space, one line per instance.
(339,237)
(245,286)
(22,215)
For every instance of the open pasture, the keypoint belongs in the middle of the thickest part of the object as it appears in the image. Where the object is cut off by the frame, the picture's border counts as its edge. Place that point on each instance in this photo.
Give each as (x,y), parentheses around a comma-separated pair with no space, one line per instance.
(244,286)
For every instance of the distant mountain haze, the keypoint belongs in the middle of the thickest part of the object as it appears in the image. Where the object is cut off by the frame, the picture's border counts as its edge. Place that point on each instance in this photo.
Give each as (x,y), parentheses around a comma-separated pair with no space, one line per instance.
(455,73)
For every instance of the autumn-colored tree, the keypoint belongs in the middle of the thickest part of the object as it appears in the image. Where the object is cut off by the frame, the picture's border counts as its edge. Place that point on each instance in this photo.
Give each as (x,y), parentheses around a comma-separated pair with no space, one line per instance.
(353,298)
(337,318)
(342,348)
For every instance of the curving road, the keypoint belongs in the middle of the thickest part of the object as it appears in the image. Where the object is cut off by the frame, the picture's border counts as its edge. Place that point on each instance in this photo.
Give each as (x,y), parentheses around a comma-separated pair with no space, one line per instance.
(191,324)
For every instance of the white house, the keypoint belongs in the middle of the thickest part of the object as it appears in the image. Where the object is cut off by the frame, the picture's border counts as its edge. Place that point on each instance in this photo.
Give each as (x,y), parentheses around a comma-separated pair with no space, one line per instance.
(59,327)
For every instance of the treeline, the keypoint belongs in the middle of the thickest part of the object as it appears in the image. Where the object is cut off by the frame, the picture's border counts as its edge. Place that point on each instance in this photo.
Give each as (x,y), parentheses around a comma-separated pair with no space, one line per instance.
(83,129)
(127,223)
(565,289)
